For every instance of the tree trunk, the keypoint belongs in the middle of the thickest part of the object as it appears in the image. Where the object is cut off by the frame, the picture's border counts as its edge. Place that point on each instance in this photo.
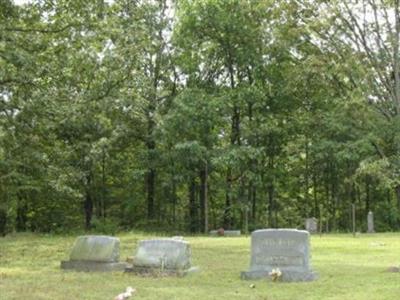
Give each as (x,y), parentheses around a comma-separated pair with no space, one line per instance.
(252,193)
(396,56)
(271,193)
(151,147)
(228,202)
(327,197)
(397,192)
(271,205)
(316,205)
(203,198)
(88,205)
(103,186)
(22,218)
(150,190)
(234,139)
(192,205)
(151,172)
(307,180)
(367,194)
(174,202)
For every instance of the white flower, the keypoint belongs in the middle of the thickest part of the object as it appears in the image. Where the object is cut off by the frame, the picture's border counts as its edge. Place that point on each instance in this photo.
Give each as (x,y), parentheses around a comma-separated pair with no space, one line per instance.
(275,274)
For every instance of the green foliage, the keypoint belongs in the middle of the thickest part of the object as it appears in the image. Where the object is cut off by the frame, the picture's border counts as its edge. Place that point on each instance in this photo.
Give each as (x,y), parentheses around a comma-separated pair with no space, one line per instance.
(104,226)
(172,114)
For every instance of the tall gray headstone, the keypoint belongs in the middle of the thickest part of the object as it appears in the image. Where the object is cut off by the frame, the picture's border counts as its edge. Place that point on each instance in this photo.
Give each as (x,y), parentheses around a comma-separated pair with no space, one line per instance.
(162,256)
(94,253)
(311,225)
(286,249)
(370,220)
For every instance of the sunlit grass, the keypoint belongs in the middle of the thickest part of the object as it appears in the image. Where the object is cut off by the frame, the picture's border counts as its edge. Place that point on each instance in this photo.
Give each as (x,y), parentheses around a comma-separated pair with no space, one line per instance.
(349,268)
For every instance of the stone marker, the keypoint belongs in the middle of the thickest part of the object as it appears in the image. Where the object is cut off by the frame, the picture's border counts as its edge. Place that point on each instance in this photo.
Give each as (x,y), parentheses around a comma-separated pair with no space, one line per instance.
(162,257)
(285,249)
(370,219)
(311,225)
(228,233)
(94,253)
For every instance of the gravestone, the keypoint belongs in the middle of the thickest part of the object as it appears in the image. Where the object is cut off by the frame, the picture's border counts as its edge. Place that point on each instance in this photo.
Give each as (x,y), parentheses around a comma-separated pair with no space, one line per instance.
(162,257)
(94,253)
(311,225)
(370,220)
(228,233)
(285,249)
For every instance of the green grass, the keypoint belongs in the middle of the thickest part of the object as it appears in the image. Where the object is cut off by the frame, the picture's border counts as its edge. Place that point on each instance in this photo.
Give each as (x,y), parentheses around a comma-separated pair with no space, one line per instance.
(349,268)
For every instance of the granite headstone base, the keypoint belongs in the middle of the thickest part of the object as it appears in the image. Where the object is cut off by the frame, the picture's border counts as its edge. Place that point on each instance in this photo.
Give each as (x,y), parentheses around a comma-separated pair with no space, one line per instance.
(287,276)
(151,271)
(93,266)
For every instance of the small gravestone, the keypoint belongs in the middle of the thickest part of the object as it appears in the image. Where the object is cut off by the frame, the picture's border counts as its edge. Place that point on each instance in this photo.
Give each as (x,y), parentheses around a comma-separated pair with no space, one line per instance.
(162,257)
(285,249)
(94,253)
(370,220)
(311,225)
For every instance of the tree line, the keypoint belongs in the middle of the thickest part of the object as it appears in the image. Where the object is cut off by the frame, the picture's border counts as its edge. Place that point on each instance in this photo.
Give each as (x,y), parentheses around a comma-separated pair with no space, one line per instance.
(192,115)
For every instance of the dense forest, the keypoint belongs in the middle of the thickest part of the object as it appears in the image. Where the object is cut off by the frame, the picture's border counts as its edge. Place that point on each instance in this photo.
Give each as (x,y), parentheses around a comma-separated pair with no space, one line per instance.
(191,115)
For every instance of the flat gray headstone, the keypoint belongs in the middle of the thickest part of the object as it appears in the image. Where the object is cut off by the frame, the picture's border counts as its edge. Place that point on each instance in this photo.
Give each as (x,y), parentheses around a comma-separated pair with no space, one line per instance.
(94,253)
(162,256)
(286,249)
(311,225)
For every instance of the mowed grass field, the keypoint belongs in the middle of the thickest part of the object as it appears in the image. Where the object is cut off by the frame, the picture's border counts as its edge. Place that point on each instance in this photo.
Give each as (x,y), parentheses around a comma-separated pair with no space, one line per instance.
(349,268)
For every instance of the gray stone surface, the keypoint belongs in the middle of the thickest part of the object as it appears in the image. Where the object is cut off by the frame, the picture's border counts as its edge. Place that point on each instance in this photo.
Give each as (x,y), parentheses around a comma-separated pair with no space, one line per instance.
(370,222)
(228,233)
(214,233)
(311,225)
(286,249)
(93,266)
(94,253)
(162,256)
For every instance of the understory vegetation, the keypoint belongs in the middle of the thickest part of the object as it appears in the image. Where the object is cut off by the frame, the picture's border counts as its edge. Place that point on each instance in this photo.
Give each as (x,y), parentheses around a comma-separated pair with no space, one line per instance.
(193,115)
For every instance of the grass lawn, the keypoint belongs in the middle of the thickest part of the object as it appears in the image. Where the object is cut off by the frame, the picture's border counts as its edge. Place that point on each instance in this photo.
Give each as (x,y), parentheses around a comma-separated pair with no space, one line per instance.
(349,268)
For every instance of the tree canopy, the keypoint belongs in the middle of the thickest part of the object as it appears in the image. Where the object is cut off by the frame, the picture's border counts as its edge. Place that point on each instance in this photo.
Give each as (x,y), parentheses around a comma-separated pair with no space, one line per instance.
(192,115)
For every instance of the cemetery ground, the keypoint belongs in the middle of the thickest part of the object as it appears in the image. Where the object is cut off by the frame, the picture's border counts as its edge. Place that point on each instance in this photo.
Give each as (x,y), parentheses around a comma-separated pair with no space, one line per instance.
(349,268)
